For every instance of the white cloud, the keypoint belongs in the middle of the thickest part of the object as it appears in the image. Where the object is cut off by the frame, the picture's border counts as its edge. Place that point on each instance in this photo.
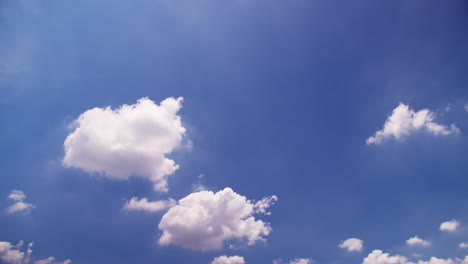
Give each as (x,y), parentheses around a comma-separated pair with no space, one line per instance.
(265,203)
(10,254)
(378,257)
(352,244)
(451,225)
(204,220)
(144,205)
(294,261)
(132,140)
(51,260)
(228,260)
(463,245)
(17,195)
(301,261)
(417,241)
(19,206)
(405,121)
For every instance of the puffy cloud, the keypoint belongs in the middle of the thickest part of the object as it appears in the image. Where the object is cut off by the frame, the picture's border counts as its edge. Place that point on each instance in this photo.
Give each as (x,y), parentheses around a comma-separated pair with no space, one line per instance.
(405,121)
(265,203)
(417,241)
(19,205)
(144,205)
(51,260)
(17,195)
(132,140)
(294,261)
(352,244)
(378,257)
(463,245)
(228,260)
(204,220)
(10,254)
(451,225)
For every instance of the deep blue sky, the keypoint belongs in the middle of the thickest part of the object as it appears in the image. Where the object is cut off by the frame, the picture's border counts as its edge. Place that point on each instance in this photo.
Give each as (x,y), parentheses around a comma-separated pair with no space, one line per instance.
(279,98)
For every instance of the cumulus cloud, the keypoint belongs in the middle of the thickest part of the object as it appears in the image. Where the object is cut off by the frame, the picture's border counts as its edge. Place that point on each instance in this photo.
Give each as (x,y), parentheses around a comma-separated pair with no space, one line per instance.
(378,257)
(261,206)
(144,205)
(405,121)
(413,241)
(132,140)
(228,260)
(204,220)
(451,225)
(294,261)
(19,205)
(463,245)
(10,254)
(352,244)
(51,260)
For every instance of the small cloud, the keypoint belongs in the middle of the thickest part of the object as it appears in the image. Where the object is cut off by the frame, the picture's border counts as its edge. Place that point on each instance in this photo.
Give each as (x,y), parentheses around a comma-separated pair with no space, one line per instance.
(449,225)
(19,206)
(228,260)
(265,203)
(144,205)
(294,261)
(414,241)
(466,107)
(352,244)
(404,121)
(463,245)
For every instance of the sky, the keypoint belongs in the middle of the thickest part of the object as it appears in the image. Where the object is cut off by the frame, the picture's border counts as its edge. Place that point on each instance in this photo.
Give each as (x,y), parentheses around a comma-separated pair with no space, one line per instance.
(233,132)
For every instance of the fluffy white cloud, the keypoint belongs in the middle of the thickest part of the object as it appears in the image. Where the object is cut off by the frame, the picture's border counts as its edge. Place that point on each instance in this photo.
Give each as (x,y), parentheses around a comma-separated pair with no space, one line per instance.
(10,254)
(405,121)
(352,244)
(294,261)
(144,205)
(17,195)
(19,205)
(204,220)
(301,261)
(228,260)
(378,257)
(51,260)
(265,203)
(451,225)
(417,241)
(132,140)
(463,245)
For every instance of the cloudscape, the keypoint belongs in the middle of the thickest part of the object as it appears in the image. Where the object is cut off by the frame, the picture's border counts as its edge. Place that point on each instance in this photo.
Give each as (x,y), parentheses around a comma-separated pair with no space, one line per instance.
(233,132)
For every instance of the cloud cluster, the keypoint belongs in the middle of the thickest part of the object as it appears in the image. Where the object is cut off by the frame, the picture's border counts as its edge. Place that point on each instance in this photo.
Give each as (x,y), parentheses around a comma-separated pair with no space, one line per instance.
(228,260)
(450,226)
(405,121)
(12,254)
(144,205)
(417,241)
(378,257)
(204,220)
(19,205)
(352,244)
(132,140)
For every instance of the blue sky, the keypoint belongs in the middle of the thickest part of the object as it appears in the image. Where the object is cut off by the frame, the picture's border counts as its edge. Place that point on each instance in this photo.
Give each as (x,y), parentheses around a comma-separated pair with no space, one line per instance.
(279,98)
